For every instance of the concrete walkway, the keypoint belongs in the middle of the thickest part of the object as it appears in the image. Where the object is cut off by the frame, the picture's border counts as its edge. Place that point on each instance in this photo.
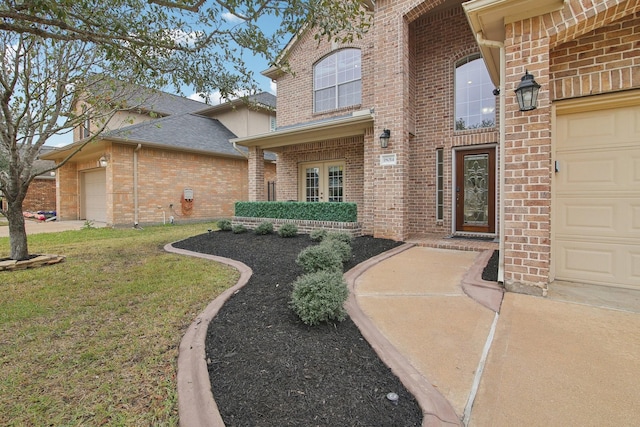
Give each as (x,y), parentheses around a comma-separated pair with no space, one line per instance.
(35,227)
(539,362)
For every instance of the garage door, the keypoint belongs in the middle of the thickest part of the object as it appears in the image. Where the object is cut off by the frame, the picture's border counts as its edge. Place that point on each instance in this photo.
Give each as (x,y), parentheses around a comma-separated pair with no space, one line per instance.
(597,197)
(94,196)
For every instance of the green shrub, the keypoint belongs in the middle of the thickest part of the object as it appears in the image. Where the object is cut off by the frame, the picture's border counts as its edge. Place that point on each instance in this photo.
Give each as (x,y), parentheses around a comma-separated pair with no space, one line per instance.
(238,229)
(320,297)
(264,228)
(317,211)
(224,225)
(318,235)
(342,237)
(339,247)
(288,230)
(319,257)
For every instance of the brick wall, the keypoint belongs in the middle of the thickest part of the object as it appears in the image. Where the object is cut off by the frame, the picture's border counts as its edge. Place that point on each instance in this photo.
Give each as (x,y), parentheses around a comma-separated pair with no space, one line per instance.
(41,195)
(162,178)
(603,60)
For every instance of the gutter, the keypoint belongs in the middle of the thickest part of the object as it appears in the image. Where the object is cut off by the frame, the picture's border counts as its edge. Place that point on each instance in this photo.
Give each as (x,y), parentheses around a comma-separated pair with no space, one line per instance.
(501,184)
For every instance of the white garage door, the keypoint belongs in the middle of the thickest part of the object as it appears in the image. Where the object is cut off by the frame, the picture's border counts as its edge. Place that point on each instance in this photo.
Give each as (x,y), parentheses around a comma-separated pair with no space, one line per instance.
(94,196)
(597,197)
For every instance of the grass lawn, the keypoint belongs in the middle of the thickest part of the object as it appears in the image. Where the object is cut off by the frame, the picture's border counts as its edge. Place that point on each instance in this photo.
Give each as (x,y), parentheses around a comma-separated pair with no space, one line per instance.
(94,340)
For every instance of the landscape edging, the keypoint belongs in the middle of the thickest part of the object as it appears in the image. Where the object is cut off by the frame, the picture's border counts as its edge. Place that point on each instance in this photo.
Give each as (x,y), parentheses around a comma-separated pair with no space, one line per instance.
(196,404)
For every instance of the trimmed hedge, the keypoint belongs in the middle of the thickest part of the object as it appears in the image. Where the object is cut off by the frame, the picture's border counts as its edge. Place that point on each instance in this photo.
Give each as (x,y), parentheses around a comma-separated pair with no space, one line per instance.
(321,211)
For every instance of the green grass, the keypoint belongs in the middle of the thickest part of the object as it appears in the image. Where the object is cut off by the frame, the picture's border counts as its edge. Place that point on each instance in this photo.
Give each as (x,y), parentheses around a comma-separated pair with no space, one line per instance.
(94,340)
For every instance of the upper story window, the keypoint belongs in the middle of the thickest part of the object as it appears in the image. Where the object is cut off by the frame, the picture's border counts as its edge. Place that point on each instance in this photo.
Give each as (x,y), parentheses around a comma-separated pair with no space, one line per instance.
(337,81)
(475,102)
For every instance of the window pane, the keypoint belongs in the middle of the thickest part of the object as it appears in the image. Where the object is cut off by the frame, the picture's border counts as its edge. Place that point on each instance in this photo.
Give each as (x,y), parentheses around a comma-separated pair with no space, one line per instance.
(335,183)
(475,102)
(325,99)
(337,80)
(349,94)
(312,185)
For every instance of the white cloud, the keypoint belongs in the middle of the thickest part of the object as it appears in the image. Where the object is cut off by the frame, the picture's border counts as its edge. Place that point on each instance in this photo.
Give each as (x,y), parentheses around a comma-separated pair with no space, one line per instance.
(231,18)
(273,87)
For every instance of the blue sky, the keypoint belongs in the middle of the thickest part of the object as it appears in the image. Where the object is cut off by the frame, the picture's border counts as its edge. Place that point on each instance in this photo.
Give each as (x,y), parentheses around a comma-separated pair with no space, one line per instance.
(254,62)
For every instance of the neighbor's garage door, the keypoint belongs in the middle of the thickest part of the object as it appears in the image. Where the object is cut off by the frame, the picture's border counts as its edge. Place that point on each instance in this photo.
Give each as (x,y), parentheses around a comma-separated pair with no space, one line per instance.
(94,196)
(597,197)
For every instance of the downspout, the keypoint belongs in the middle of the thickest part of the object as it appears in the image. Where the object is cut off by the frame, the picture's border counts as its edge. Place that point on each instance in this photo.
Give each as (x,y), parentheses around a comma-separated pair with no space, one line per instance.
(501,183)
(135,185)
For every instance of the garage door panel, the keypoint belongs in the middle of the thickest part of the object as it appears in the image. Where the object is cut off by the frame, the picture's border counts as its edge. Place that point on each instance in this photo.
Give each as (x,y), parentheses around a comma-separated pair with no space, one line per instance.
(605,264)
(618,127)
(94,196)
(596,204)
(613,218)
(612,170)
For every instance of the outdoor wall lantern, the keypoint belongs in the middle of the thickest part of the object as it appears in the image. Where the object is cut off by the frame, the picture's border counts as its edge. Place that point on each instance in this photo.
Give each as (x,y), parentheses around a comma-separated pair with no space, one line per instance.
(384,138)
(103,162)
(527,92)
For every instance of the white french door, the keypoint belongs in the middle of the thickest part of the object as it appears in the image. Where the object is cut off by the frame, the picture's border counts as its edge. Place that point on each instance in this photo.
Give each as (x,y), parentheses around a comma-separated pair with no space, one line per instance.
(322,182)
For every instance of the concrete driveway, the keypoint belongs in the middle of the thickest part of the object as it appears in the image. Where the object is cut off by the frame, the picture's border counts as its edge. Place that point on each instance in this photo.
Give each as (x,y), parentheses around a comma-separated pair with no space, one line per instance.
(35,227)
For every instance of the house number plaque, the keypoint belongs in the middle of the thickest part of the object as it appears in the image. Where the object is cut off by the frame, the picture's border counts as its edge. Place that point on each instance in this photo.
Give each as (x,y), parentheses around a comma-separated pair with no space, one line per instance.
(388,159)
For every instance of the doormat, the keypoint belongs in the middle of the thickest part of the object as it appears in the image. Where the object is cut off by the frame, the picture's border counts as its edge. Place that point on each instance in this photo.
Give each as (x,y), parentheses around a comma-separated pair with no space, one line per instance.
(474,238)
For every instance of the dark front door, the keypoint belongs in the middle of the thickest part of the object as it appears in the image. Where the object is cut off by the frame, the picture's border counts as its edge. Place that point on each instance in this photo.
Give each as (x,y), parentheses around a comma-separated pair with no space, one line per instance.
(476,190)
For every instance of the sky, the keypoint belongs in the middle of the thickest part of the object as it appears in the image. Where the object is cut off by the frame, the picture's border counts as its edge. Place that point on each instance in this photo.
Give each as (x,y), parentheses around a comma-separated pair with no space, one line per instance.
(255,63)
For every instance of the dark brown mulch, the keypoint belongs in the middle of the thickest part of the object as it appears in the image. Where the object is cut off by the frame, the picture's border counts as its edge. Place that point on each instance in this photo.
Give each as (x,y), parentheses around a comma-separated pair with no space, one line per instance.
(269,369)
(490,272)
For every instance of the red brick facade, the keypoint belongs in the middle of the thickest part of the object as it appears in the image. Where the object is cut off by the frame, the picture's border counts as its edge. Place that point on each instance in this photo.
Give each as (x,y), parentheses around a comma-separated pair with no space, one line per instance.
(408,67)
(41,195)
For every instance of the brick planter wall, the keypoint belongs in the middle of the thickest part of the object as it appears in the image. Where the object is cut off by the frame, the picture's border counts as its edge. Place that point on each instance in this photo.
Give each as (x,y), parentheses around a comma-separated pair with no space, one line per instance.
(304,226)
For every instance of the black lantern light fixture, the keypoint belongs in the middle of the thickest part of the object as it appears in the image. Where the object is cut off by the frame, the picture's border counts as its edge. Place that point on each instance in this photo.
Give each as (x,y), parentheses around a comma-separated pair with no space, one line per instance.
(103,162)
(384,138)
(527,92)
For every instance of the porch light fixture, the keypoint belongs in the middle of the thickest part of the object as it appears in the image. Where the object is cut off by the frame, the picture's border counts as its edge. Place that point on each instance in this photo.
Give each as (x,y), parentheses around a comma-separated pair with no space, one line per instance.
(384,138)
(527,92)
(103,162)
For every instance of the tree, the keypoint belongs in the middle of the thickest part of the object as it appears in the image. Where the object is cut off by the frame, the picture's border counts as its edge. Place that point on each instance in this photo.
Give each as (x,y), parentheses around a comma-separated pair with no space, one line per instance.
(59,55)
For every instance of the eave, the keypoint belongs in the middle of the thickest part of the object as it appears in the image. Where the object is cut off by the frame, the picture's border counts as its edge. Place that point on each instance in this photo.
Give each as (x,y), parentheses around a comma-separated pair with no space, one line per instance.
(355,124)
(489,17)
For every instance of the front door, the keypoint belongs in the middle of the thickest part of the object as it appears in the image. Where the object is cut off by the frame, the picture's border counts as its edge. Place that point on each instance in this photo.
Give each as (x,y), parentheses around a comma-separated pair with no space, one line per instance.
(322,182)
(475,190)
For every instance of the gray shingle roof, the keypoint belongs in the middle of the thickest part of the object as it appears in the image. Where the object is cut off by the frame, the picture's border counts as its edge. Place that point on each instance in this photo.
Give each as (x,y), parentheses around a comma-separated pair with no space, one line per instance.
(184,131)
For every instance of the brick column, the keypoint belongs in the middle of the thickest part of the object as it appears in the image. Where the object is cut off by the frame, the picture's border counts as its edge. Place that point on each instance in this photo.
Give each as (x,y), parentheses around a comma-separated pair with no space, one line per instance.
(527,198)
(256,174)
(386,187)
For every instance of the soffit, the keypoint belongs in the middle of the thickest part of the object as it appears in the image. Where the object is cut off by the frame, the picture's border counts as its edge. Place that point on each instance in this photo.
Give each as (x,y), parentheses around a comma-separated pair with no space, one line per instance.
(355,124)
(488,17)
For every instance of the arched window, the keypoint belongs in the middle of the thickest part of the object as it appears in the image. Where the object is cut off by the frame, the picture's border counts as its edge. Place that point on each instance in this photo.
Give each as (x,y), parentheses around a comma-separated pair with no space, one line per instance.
(337,81)
(475,102)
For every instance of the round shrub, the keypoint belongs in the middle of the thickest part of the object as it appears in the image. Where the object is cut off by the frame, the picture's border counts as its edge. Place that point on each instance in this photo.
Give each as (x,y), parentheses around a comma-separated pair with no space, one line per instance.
(237,229)
(320,297)
(319,257)
(318,235)
(224,225)
(264,228)
(343,237)
(341,248)
(288,230)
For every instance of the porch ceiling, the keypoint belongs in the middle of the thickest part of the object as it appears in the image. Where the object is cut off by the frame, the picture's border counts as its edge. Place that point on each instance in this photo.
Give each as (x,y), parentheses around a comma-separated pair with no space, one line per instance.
(488,17)
(355,124)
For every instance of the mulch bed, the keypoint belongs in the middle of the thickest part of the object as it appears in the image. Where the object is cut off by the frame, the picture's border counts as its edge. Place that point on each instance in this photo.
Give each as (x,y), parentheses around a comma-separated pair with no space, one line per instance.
(267,368)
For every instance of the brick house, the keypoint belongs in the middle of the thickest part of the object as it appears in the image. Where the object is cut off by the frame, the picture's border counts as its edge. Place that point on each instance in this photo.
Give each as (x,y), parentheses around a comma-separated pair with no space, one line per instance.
(558,185)
(169,159)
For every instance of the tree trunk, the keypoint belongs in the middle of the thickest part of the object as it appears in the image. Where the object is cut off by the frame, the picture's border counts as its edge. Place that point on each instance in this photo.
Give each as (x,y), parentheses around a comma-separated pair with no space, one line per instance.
(17,232)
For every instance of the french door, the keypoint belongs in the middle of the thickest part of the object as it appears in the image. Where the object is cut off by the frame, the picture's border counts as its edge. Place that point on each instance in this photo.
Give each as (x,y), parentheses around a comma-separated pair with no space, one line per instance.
(476,190)
(322,182)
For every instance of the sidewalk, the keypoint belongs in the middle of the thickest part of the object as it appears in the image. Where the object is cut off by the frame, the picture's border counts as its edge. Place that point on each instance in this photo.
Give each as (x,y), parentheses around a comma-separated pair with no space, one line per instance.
(548,362)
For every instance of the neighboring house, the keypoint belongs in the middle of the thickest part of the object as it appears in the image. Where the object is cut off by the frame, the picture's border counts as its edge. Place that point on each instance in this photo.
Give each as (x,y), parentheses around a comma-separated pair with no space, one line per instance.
(41,195)
(558,185)
(167,159)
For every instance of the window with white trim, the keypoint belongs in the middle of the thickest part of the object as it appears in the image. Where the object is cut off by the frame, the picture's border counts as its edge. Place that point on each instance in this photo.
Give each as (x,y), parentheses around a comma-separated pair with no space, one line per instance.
(475,102)
(337,81)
